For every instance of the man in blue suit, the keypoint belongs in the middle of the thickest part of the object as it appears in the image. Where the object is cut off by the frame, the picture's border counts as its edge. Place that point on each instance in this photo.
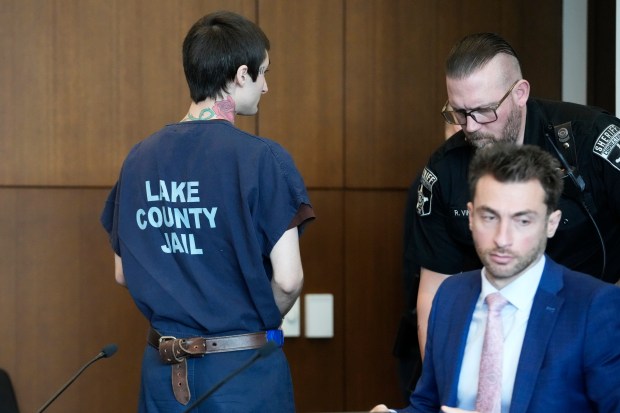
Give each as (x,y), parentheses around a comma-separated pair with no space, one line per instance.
(561,329)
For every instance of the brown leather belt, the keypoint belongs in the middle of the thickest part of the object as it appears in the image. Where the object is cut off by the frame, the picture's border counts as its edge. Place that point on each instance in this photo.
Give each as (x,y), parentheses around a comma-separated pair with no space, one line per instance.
(175,351)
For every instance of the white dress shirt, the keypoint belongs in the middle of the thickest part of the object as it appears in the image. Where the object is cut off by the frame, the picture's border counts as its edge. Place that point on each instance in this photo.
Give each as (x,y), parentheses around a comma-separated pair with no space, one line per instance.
(520,295)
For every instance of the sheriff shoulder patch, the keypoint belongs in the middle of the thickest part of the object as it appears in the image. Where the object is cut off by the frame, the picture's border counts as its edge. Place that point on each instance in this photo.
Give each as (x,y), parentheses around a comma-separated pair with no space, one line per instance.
(607,145)
(425,192)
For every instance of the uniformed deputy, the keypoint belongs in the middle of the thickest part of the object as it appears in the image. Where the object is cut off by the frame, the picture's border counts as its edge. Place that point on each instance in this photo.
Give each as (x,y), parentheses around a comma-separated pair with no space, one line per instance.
(488,97)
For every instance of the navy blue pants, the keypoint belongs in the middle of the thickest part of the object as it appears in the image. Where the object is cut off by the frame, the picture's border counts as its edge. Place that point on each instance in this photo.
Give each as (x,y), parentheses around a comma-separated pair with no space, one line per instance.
(265,386)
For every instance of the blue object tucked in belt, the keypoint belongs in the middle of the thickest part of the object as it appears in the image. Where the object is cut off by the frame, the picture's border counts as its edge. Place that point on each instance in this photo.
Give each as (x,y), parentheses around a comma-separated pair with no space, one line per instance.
(277,336)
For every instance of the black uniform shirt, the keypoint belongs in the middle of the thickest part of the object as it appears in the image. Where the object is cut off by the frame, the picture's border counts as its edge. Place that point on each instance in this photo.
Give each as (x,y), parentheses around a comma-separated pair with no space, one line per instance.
(441,237)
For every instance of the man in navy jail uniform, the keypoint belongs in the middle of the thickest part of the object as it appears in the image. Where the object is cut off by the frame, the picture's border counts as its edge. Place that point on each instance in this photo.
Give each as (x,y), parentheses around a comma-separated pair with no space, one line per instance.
(204,221)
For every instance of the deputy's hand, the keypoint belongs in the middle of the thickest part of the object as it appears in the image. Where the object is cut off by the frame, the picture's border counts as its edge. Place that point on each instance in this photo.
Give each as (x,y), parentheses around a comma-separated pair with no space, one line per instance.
(447,409)
(380,408)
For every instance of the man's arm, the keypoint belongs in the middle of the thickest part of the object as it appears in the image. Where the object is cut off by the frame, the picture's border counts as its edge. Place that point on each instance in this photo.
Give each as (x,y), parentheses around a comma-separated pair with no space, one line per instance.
(429,283)
(601,352)
(288,276)
(119,275)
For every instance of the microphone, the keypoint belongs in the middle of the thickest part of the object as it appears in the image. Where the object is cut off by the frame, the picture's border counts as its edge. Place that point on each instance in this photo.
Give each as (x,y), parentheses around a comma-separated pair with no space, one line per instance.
(263,351)
(107,351)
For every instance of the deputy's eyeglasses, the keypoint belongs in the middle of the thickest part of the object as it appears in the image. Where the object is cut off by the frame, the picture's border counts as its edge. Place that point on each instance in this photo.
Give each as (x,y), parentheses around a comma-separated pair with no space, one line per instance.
(481,115)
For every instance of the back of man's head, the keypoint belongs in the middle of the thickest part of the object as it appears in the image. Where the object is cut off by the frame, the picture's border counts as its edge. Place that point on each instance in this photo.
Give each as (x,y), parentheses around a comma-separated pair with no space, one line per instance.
(215,47)
(509,163)
(474,51)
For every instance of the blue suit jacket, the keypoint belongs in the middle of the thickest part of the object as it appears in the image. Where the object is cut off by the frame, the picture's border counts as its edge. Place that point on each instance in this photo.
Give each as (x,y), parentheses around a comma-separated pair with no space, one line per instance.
(570,360)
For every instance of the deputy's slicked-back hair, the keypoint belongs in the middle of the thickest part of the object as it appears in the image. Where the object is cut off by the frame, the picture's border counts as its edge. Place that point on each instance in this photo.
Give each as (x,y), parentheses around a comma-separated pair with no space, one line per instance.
(510,163)
(215,47)
(474,51)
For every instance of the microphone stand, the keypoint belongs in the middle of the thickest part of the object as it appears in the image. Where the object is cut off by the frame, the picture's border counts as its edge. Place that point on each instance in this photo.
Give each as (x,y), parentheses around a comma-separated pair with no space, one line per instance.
(107,351)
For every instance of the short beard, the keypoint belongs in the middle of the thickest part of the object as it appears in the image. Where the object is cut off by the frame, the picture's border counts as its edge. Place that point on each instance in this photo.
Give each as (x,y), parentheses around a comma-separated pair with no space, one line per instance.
(523,261)
(510,134)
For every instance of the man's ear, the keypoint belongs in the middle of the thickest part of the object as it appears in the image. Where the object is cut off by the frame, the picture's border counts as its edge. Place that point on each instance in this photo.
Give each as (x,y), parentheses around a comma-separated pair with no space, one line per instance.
(523,92)
(242,75)
(470,213)
(553,222)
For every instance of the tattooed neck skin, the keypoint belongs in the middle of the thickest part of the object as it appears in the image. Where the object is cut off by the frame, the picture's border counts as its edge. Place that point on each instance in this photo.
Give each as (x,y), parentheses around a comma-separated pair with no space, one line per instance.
(208,109)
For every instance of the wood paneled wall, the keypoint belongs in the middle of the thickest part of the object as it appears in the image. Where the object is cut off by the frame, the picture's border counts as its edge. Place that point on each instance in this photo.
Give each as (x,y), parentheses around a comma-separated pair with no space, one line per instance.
(355,92)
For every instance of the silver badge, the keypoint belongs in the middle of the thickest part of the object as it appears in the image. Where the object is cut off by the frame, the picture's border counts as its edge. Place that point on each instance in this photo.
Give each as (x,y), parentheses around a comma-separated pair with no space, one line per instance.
(563,135)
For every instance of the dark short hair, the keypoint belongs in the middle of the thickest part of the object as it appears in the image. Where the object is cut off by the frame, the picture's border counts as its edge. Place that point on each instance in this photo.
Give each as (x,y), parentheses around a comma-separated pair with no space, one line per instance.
(215,47)
(518,163)
(474,51)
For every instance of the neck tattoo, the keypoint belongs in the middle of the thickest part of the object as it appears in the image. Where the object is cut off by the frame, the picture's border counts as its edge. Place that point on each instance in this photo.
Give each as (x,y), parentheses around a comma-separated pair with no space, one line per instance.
(222,109)
(225,109)
(205,114)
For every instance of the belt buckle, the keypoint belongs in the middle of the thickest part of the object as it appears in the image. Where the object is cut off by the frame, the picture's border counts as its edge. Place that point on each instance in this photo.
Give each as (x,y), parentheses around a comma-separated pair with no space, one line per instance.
(166,338)
(167,351)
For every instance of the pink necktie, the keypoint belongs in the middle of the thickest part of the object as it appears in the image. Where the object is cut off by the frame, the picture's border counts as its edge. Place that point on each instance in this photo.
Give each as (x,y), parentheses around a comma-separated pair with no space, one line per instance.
(490,380)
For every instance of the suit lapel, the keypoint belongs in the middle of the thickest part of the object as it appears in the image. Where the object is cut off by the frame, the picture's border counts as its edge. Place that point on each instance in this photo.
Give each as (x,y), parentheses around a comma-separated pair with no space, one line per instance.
(460,319)
(544,313)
